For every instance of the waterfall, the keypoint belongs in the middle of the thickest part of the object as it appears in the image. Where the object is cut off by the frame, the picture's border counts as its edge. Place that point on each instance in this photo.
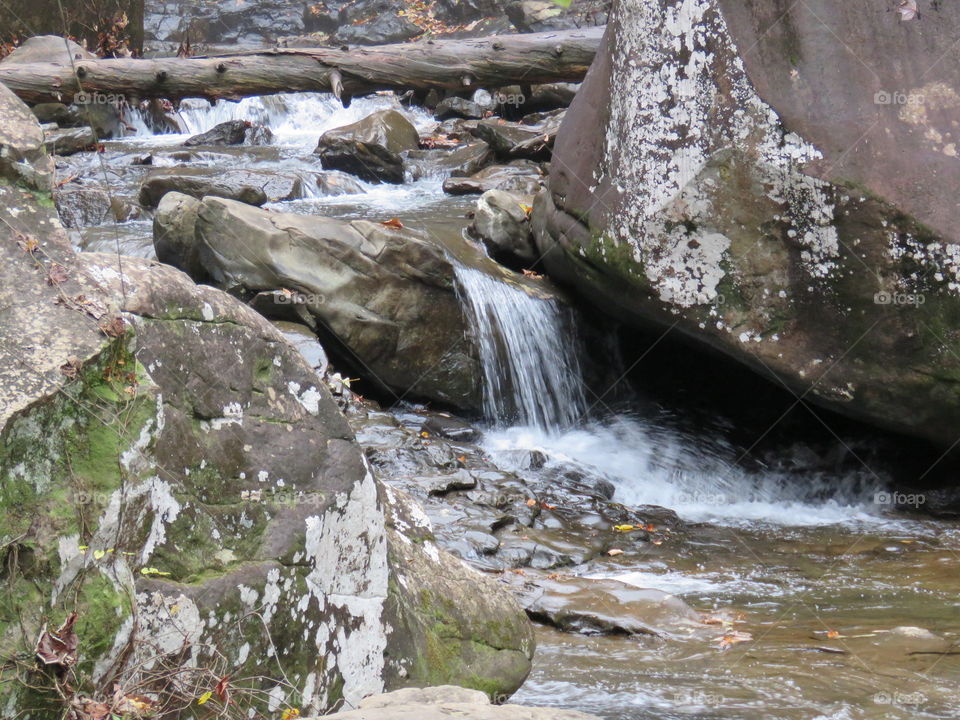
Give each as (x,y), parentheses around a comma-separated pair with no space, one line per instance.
(528,353)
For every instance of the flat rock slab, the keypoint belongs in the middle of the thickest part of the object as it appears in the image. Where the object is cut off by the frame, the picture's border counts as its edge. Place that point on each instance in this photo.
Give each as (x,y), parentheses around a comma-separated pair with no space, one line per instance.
(448,701)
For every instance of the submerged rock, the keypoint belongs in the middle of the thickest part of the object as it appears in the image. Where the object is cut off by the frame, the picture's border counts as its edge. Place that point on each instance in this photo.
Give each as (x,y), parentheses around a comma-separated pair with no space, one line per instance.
(386,294)
(817,244)
(370,148)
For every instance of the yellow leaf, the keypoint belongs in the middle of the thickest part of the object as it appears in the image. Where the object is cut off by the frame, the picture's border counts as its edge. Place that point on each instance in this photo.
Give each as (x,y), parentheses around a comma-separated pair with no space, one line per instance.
(97,554)
(290,714)
(624,528)
(203,698)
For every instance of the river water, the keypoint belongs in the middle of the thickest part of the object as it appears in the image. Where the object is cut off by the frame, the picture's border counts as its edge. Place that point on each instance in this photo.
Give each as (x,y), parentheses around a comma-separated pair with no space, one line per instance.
(809,577)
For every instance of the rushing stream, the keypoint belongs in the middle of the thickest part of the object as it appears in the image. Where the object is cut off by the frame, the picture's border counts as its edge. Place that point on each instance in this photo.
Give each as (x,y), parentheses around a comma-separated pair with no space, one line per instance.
(807,566)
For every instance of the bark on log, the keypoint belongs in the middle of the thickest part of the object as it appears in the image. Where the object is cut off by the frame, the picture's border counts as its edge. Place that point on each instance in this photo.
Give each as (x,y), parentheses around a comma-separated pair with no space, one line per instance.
(561,56)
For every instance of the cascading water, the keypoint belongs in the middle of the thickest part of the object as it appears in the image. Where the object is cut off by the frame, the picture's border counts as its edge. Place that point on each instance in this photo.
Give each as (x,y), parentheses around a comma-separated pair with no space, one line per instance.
(530,365)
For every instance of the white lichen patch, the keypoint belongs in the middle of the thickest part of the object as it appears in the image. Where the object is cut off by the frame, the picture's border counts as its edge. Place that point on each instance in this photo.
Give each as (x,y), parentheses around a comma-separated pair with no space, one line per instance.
(681,103)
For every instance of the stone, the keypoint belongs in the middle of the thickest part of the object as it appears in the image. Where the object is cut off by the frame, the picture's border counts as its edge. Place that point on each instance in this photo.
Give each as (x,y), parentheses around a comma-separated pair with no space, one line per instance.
(457,107)
(463,161)
(334,182)
(69,141)
(502,223)
(370,148)
(173,227)
(253,187)
(384,28)
(23,158)
(820,253)
(450,427)
(232,132)
(386,294)
(520,176)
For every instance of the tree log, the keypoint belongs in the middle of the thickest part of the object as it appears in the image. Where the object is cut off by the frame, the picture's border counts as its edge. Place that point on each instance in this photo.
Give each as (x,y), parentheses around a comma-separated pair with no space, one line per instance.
(533,58)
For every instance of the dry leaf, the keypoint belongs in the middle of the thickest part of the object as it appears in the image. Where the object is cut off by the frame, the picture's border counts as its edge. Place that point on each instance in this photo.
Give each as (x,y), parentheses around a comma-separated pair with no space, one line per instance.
(531,502)
(732,638)
(908,10)
(57,274)
(393,223)
(614,552)
(58,648)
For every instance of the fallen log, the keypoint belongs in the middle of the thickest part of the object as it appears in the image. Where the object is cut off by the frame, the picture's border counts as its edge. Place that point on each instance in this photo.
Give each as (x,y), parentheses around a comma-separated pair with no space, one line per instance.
(526,59)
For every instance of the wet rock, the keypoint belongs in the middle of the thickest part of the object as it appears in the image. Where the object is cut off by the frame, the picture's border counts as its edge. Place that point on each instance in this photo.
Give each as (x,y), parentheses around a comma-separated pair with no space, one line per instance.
(259,23)
(605,489)
(233,132)
(384,28)
(441,703)
(664,243)
(469,630)
(333,182)
(444,484)
(253,187)
(370,148)
(457,107)
(502,222)
(386,294)
(462,161)
(521,176)
(543,15)
(550,97)
(69,141)
(606,606)
(510,141)
(450,427)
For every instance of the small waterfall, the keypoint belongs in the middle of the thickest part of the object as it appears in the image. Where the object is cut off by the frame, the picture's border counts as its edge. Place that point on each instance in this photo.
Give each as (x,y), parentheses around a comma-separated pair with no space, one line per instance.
(529,358)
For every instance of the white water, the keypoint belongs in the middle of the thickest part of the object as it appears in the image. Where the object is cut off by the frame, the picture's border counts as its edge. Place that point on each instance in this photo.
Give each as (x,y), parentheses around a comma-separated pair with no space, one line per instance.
(530,365)
(650,465)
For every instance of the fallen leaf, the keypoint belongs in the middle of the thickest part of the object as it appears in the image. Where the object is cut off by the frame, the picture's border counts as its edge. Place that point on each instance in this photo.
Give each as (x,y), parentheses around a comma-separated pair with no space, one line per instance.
(615,551)
(393,223)
(732,638)
(58,647)
(71,368)
(290,714)
(203,698)
(27,243)
(531,502)
(624,528)
(223,690)
(114,327)
(833,635)
(97,554)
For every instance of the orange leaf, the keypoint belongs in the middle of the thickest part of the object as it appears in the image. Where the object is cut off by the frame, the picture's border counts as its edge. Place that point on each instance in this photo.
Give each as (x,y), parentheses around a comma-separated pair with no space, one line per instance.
(393,223)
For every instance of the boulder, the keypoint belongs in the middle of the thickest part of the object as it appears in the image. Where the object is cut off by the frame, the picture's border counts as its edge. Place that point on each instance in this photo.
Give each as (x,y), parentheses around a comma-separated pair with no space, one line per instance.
(520,176)
(803,224)
(233,132)
(385,294)
(446,701)
(502,222)
(88,204)
(23,158)
(511,140)
(254,187)
(370,148)
(69,141)
(178,489)
(334,182)
(174,224)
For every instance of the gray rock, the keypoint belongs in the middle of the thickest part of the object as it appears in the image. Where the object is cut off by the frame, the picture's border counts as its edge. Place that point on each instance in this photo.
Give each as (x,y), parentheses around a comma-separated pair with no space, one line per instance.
(254,187)
(384,28)
(450,427)
(173,228)
(69,141)
(386,294)
(370,148)
(521,176)
(457,107)
(808,249)
(463,161)
(233,132)
(502,222)
(334,182)
(23,158)
(86,205)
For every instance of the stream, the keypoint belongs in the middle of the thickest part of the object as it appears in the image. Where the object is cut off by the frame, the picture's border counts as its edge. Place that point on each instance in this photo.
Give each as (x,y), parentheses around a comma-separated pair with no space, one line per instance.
(818,603)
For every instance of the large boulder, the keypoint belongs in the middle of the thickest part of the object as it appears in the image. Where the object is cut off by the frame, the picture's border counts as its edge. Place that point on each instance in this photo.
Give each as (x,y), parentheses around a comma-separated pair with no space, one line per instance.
(386,294)
(179,489)
(23,158)
(711,179)
(370,148)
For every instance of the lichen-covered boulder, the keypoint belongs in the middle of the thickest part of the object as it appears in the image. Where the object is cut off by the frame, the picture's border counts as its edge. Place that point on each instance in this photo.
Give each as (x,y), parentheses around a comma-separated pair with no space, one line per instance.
(386,294)
(817,245)
(178,488)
